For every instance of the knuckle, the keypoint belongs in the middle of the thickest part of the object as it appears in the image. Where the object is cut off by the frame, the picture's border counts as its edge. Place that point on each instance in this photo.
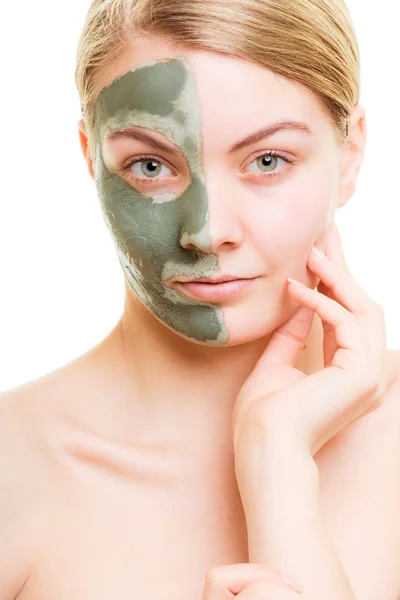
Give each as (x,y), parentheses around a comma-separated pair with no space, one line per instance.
(215,575)
(268,590)
(260,589)
(219,577)
(270,416)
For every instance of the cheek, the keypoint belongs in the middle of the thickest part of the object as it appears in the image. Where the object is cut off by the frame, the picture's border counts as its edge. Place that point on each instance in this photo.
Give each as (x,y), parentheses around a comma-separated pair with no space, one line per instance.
(287,224)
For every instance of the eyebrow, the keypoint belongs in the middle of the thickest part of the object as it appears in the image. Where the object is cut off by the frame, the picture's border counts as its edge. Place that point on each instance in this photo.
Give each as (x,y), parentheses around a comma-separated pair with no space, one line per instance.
(141,135)
(269,131)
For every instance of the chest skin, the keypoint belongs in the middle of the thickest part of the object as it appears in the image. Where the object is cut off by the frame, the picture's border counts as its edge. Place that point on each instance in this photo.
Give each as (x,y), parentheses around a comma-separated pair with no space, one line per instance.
(150,524)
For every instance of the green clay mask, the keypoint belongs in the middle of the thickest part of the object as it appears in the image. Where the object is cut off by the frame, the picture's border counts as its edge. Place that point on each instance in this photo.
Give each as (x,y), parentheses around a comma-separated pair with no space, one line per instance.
(148,230)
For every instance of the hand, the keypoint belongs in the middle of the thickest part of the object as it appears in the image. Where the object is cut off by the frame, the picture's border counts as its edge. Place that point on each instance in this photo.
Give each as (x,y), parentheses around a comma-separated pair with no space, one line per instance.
(309,410)
(248,582)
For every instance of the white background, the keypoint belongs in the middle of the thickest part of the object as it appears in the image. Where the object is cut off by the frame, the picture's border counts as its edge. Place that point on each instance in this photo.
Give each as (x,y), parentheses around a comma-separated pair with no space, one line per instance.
(61,283)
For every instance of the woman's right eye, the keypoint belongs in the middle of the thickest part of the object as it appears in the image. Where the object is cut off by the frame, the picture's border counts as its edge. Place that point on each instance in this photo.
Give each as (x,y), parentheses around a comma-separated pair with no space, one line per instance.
(147,167)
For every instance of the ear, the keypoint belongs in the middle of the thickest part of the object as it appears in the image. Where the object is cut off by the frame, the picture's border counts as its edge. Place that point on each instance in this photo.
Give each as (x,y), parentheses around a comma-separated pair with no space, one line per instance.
(352,154)
(85,146)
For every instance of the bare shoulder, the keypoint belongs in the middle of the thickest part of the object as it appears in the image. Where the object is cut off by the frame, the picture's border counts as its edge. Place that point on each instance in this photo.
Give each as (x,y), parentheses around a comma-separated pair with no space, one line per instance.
(23,482)
(31,421)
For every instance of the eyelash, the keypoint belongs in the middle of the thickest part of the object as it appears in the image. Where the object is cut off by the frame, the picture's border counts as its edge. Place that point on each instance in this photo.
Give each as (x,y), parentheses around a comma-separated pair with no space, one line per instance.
(149,181)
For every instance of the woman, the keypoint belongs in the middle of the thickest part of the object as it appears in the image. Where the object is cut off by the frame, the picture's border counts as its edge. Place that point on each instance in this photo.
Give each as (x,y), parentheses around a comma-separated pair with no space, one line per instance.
(232,416)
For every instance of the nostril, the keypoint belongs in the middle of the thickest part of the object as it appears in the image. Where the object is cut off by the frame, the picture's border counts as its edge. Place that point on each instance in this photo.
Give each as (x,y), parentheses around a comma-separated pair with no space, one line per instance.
(196,241)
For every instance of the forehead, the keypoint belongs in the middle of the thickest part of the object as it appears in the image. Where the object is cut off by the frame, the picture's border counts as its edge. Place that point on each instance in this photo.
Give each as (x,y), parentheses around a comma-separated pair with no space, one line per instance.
(219,77)
(153,88)
(151,80)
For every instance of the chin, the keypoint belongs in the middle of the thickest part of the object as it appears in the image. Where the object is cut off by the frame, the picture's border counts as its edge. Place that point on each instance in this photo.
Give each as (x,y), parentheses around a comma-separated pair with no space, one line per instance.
(247,324)
(242,322)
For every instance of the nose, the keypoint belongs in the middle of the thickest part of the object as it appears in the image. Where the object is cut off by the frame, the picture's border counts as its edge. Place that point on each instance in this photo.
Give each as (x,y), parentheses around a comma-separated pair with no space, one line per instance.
(218,223)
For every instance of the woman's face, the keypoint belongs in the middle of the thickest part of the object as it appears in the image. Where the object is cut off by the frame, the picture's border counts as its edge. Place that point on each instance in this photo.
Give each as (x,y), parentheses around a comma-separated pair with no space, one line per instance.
(189,190)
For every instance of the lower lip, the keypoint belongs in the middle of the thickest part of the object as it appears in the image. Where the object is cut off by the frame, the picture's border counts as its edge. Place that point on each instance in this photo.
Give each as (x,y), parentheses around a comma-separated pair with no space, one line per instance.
(212,292)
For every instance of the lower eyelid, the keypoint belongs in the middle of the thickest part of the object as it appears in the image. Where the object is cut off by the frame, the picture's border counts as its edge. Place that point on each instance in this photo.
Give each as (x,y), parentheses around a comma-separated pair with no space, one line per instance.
(146,181)
(144,160)
(278,156)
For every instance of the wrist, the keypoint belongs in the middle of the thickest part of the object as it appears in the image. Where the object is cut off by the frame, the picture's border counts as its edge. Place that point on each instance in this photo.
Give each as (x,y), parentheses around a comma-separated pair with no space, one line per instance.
(277,444)
(273,459)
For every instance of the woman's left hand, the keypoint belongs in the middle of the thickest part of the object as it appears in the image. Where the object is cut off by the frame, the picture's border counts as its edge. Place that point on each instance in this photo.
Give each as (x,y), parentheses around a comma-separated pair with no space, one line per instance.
(309,410)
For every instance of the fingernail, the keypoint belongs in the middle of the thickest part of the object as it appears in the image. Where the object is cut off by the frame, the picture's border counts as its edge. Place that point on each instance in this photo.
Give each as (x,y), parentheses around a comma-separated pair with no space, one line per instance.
(291,280)
(291,583)
(319,253)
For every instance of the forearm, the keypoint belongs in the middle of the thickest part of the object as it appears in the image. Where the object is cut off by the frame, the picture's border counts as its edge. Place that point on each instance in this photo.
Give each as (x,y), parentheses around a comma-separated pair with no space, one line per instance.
(285,523)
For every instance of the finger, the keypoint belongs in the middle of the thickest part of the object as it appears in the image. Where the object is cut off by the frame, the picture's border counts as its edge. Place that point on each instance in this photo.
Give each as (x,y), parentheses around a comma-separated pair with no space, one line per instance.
(374,325)
(351,296)
(232,579)
(344,289)
(360,331)
(347,330)
(334,250)
(289,339)
(267,591)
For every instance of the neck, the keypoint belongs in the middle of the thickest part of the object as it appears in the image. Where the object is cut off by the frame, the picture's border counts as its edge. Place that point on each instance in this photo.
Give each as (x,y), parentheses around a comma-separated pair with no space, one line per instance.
(179,391)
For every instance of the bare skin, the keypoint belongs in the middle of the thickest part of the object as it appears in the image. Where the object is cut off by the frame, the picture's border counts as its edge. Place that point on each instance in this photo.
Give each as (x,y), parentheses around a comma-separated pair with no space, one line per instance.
(117,471)
(95,518)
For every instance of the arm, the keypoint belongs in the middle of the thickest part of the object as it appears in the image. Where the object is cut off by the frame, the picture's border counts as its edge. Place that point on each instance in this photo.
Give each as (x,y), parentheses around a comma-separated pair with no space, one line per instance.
(283,417)
(286,528)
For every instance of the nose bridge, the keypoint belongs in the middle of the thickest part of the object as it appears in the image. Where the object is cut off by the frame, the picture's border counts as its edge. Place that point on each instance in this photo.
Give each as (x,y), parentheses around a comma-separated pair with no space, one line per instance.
(223,222)
(209,217)
(194,225)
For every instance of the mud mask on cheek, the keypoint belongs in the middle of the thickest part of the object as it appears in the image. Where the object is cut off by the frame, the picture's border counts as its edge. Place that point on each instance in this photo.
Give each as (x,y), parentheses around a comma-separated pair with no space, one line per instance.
(148,232)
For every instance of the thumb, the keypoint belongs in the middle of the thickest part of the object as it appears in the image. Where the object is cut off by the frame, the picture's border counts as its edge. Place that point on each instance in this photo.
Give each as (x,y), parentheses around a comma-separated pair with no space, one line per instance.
(289,339)
(275,368)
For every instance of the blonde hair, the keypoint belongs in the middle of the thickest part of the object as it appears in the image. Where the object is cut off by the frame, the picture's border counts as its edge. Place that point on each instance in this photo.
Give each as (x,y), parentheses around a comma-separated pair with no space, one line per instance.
(311,42)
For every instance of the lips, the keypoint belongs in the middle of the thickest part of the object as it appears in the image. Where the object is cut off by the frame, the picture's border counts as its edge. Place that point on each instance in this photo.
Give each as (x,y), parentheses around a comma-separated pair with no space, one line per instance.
(219,279)
(212,289)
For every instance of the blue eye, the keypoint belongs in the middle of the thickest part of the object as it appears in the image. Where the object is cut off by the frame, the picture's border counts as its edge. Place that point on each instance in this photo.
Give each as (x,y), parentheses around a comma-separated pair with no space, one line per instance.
(263,168)
(149,167)
(267,162)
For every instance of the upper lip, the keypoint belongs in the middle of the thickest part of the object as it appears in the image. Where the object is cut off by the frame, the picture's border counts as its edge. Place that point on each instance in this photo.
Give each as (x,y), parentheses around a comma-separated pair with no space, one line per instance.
(219,279)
